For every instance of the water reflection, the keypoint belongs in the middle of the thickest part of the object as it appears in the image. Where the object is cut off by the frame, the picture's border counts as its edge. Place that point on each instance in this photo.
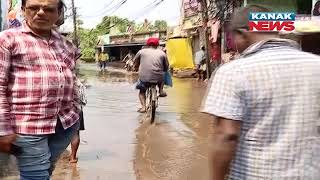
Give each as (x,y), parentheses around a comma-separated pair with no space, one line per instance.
(177,147)
(116,146)
(7,166)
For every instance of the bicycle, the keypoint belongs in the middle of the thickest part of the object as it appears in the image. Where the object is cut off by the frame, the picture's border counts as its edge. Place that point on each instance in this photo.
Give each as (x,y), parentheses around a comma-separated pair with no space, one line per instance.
(151,102)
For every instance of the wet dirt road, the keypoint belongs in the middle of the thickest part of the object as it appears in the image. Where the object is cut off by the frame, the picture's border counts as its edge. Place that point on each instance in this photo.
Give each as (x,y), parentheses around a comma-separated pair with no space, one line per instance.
(115,146)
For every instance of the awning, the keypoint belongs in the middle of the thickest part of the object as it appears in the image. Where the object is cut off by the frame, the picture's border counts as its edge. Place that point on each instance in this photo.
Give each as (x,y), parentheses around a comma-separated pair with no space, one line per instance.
(122,45)
(126,45)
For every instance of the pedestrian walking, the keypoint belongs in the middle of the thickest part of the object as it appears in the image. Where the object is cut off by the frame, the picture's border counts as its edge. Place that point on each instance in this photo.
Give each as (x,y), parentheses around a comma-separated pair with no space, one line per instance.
(200,59)
(38,102)
(75,142)
(103,58)
(267,106)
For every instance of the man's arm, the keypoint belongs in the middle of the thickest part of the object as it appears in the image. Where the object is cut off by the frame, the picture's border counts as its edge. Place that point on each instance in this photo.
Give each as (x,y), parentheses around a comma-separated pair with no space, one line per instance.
(7,135)
(166,63)
(225,103)
(136,61)
(76,95)
(224,144)
(5,120)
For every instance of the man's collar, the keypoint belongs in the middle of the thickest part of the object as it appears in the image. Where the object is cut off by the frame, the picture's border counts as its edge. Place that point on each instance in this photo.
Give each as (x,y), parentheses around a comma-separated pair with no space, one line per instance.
(27,29)
(269,43)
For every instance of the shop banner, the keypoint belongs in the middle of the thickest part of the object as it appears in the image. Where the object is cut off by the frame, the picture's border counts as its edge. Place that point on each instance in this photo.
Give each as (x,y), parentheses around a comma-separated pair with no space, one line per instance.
(180,53)
(191,8)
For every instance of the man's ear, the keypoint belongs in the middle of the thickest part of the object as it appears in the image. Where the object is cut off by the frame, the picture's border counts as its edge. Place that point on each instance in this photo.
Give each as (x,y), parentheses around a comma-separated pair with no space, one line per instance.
(60,21)
(23,10)
(246,37)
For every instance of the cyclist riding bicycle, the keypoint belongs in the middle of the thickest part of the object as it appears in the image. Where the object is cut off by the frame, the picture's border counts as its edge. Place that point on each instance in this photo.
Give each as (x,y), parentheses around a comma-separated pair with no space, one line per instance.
(152,63)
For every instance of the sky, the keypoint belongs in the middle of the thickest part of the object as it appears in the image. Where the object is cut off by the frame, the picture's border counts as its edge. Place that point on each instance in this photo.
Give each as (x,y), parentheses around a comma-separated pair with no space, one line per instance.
(91,12)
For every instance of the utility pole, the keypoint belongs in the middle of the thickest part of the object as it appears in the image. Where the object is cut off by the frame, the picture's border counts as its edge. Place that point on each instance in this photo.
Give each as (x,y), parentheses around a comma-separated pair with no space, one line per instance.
(75,28)
(205,34)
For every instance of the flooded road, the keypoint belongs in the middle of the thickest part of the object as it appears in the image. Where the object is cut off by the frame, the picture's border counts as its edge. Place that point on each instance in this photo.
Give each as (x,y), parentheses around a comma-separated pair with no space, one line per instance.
(115,146)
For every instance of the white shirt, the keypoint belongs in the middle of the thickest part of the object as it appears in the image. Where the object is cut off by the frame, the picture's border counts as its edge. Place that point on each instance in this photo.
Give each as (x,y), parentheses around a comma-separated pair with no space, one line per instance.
(274,89)
(200,55)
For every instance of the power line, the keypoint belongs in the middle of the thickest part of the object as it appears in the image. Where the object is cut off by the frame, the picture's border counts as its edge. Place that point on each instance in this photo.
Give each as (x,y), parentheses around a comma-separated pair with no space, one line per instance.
(106,6)
(152,5)
(112,9)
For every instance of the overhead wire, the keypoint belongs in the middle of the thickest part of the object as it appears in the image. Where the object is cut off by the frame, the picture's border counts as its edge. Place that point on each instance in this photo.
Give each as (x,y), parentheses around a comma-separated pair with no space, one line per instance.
(106,11)
(104,8)
(149,7)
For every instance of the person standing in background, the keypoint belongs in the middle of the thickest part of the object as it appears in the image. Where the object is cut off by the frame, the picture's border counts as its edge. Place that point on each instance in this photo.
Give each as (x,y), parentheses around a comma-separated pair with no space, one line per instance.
(200,57)
(103,58)
(75,142)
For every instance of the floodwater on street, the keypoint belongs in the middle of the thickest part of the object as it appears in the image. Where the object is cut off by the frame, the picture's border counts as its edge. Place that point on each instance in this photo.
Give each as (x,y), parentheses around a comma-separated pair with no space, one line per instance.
(115,146)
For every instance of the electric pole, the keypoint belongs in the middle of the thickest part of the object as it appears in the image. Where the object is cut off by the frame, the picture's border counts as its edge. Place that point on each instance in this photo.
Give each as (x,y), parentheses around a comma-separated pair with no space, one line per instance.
(75,28)
(205,34)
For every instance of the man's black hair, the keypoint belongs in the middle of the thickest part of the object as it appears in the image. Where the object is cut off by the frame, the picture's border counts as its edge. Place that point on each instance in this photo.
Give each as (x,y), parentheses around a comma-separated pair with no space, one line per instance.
(203,48)
(61,5)
(316,11)
(240,19)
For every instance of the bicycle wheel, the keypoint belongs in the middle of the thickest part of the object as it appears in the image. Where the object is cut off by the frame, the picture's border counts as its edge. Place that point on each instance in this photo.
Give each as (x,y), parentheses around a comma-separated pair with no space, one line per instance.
(153,111)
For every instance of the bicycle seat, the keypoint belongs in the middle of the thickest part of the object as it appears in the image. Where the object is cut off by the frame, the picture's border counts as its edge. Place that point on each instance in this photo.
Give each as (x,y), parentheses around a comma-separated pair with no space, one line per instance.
(152,84)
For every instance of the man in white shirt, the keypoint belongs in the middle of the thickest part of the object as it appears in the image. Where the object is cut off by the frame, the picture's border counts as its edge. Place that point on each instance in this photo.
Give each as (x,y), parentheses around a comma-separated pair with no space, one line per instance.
(200,56)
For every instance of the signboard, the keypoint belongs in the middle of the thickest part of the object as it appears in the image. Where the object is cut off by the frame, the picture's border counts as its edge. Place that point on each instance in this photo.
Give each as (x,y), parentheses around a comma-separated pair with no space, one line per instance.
(191,8)
(267,21)
(192,22)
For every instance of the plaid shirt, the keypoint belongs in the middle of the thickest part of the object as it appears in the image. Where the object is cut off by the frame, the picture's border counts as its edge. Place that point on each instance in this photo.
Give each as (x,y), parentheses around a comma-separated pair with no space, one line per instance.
(36,82)
(274,90)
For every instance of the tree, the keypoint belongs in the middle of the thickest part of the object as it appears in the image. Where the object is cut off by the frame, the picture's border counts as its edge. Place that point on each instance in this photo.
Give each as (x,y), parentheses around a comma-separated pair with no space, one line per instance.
(88,41)
(160,25)
(89,37)
(145,26)
(109,22)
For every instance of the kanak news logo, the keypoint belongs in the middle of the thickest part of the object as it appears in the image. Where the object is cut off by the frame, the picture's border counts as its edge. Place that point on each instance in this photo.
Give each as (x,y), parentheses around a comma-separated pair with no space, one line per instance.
(268,21)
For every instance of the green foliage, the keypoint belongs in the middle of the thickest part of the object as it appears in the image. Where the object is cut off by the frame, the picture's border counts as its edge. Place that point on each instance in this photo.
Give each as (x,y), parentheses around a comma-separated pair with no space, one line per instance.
(109,22)
(89,38)
(160,25)
(88,41)
(144,27)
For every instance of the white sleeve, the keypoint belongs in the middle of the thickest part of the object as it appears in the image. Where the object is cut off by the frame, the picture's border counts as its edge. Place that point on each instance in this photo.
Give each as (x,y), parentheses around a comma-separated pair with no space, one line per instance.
(225,96)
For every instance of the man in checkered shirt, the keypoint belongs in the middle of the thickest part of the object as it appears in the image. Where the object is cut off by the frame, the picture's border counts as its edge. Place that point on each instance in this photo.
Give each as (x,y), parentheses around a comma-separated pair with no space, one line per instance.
(39,104)
(267,107)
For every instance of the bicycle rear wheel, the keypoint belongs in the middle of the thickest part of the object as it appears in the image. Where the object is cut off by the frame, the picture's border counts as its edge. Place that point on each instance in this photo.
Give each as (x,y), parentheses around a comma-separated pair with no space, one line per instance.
(153,111)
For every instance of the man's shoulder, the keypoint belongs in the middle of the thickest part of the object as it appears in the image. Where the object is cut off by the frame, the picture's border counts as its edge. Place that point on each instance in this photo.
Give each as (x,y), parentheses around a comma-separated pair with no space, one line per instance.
(11,32)
(64,41)
(8,36)
(231,66)
(62,38)
(263,58)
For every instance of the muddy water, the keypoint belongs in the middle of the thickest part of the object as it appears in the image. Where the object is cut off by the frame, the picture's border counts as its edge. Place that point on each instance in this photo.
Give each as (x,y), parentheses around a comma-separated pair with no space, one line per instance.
(115,146)
(177,147)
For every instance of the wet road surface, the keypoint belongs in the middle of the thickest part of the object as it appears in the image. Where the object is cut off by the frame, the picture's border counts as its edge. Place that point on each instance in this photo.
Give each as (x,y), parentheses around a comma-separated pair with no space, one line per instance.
(115,146)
